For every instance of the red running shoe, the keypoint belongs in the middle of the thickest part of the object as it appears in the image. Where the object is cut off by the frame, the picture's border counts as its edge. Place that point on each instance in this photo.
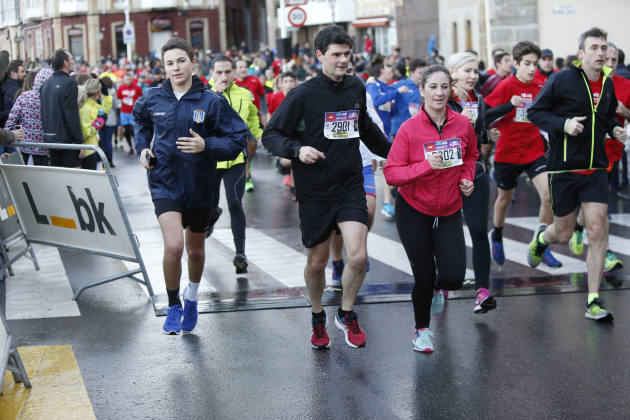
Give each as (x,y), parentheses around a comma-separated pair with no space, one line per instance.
(355,337)
(320,339)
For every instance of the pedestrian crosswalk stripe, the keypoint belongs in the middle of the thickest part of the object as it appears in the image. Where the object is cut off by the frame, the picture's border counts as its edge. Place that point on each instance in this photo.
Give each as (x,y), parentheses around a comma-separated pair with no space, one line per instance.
(281,262)
(618,245)
(392,253)
(516,251)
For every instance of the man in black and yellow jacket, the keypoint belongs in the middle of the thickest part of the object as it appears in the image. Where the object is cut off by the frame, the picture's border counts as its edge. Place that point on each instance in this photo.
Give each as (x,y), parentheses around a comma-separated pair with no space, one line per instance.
(577,108)
(233,172)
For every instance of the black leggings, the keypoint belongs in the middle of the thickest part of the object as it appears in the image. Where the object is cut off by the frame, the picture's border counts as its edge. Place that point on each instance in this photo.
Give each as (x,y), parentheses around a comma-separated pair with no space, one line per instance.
(234,184)
(431,242)
(476,215)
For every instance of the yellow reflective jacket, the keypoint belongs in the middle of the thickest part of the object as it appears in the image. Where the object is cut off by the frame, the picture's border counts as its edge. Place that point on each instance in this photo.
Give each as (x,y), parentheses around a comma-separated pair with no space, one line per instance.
(241,100)
(87,114)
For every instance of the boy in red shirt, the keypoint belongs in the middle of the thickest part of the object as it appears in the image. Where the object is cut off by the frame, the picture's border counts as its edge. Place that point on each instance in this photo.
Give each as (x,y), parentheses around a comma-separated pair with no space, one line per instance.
(128,93)
(520,146)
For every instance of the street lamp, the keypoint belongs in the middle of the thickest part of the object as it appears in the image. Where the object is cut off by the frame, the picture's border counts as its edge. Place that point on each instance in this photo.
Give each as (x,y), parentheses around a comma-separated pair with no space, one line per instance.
(332,4)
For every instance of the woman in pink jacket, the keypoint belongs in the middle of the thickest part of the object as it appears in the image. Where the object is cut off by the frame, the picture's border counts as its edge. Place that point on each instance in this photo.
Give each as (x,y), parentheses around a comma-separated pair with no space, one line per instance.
(432,162)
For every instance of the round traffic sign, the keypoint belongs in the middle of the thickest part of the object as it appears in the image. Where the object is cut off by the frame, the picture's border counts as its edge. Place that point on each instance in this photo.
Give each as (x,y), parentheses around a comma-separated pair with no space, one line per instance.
(297,16)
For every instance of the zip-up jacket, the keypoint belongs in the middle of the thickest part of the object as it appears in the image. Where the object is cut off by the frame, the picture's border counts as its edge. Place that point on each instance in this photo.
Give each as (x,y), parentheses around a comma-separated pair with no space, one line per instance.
(60,109)
(481,130)
(88,114)
(241,100)
(26,112)
(405,104)
(187,178)
(567,94)
(300,120)
(383,97)
(434,192)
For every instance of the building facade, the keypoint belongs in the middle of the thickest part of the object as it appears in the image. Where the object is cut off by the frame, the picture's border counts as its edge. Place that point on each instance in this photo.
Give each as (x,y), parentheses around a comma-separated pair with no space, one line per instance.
(484,25)
(93,29)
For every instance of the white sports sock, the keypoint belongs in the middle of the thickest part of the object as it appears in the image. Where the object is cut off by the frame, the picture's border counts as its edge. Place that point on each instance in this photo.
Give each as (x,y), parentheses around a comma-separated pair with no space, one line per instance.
(190,292)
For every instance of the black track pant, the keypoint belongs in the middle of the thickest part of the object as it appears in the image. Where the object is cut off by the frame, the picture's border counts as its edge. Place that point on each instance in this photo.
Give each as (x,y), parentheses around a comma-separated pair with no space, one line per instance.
(476,215)
(431,243)
(234,183)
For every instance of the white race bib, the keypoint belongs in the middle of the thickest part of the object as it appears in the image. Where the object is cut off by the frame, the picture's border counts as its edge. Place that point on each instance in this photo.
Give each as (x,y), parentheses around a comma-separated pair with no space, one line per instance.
(474,109)
(127,101)
(451,151)
(521,111)
(341,125)
(413,108)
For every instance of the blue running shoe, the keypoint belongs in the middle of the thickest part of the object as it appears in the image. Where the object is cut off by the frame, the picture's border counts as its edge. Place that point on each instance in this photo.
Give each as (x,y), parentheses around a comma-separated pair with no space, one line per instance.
(437,303)
(173,323)
(337,273)
(549,260)
(190,316)
(388,211)
(497,250)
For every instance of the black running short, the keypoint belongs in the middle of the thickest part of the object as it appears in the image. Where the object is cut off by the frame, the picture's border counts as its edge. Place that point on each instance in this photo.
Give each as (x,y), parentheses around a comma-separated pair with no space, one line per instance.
(506,173)
(319,218)
(197,219)
(568,190)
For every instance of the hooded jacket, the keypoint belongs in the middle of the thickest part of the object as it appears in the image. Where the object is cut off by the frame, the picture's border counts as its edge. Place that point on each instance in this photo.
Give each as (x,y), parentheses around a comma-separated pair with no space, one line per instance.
(567,94)
(26,113)
(184,177)
(60,109)
(313,108)
(88,114)
(434,192)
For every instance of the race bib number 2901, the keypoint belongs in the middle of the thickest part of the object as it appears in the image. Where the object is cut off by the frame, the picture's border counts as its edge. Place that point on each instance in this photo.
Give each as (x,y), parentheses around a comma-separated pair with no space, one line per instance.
(341,125)
(451,151)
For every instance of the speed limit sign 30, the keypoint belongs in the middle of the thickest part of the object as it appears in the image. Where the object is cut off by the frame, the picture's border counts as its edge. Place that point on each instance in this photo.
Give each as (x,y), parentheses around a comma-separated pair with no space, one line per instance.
(297,16)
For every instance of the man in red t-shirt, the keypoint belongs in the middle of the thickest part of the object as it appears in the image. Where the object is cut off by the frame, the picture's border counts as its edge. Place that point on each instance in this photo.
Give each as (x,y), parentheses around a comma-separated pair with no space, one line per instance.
(545,67)
(128,93)
(286,82)
(503,64)
(520,146)
(250,83)
(257,90)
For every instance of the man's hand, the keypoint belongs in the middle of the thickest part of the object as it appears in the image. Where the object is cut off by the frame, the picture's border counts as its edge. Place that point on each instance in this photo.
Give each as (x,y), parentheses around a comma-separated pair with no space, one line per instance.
(144,158)
(435,160)
(573,127)
(18,134)
(466,186)
(494,134)
(370,79)
(620,134)
(516,101)
(194,144)
(310,155)
(468,113)
(403,89)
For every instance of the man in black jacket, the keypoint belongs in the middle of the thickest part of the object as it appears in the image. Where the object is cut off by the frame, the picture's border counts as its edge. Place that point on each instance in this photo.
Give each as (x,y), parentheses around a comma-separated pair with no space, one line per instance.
(13,83)
(60,111)
(577,108)
(318,126)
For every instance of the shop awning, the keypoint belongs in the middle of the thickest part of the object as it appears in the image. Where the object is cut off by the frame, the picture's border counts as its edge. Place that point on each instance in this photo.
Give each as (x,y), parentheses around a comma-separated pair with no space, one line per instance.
(371,21)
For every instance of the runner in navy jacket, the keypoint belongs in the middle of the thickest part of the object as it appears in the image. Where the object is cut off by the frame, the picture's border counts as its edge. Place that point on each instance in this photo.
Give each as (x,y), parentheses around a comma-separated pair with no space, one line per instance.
(191,129)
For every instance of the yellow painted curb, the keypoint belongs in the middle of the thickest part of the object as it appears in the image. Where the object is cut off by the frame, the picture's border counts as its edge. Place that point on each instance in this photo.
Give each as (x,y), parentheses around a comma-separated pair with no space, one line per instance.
(58,390)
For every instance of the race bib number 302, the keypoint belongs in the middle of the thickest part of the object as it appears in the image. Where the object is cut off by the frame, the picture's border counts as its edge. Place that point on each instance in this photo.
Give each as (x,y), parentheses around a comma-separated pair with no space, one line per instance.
(341,125)
(451,151)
